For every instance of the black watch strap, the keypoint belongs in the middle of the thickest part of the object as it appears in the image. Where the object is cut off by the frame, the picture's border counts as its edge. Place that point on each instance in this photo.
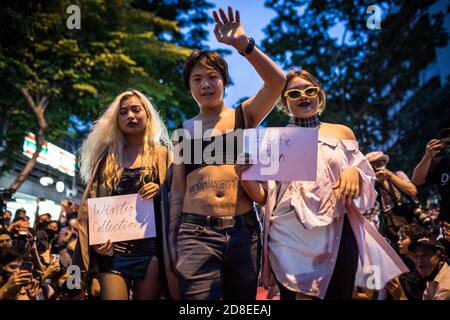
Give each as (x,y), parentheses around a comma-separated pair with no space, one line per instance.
(249,49)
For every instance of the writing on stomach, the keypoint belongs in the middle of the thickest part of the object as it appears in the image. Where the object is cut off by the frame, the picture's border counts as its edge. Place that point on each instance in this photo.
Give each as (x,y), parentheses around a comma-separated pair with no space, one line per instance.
(215,190)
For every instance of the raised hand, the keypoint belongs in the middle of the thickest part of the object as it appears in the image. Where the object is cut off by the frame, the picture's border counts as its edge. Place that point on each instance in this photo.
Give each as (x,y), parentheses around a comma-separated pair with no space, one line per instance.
(383,174)
(17,280)
(229,30)
(433,147)
(33,289)
(395,289)
(51,270)
(446,228)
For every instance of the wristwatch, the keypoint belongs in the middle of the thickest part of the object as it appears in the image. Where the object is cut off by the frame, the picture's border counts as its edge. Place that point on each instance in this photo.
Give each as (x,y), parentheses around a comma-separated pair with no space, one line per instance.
(250,47)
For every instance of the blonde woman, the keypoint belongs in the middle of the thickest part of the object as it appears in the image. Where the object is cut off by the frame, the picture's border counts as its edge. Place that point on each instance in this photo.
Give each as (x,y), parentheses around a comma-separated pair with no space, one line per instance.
(126,152)
(316,242)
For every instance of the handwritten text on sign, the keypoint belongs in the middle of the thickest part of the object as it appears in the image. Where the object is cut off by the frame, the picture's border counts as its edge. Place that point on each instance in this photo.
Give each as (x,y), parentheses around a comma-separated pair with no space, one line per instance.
(120,218)
(283,154)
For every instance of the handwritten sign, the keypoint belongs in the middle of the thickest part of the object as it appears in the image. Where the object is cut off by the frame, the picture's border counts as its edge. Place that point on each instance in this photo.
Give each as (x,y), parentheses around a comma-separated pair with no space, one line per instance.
(120,218)
(282,154)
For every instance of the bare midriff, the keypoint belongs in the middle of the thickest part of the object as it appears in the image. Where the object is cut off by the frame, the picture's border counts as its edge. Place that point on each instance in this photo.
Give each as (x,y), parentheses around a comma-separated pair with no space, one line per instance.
(215,191)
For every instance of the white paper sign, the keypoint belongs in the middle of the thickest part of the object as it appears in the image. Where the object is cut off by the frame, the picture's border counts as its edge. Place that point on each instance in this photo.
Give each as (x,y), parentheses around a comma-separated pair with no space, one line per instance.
(282,154)
(120,218)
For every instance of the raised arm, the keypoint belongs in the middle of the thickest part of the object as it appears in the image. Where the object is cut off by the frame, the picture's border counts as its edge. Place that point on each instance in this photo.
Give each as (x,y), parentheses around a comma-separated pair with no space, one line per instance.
(401,180)
(36,214)
(421,170)
(229,30)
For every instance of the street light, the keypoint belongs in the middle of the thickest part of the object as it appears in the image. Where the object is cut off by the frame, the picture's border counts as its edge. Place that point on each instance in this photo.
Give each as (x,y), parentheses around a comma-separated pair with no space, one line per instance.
(60,186)
(46,181)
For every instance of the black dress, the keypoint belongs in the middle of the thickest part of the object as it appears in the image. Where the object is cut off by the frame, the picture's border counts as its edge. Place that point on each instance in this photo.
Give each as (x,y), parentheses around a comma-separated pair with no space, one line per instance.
(131,258)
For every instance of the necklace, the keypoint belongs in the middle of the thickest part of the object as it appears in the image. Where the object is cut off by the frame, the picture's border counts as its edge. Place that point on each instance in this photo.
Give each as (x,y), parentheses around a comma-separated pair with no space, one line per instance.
(311,122)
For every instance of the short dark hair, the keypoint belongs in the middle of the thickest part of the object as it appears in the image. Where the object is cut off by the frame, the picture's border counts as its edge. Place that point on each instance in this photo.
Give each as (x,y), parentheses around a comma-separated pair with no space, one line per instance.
(209,59)
(8,255)
(414,231)
(42,225)
(20,210)
(18,218)
(57,224)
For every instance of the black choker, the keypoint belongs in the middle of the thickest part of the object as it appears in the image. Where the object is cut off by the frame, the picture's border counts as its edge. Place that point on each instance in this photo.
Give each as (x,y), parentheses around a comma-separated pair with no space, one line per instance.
(310,122)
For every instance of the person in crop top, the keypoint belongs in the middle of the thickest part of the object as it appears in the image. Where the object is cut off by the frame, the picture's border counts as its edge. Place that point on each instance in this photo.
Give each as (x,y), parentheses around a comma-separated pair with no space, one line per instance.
(213,222)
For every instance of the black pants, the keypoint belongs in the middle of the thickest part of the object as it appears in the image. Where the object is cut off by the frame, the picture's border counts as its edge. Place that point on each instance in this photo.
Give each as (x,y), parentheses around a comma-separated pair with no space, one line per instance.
(218,263)
(343,279)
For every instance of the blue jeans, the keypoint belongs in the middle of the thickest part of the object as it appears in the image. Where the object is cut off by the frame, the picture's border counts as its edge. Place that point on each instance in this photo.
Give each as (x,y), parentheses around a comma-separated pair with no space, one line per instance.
(218,263)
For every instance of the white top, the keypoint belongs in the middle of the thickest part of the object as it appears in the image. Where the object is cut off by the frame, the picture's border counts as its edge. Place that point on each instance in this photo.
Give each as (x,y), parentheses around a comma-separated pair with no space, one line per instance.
(306,222)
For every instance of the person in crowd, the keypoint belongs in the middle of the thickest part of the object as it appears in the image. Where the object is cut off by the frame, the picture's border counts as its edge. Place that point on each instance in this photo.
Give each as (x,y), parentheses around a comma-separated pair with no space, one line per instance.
(46,235)
(127,152)
(397,197)
(21,235)
(42,237)
(410,285)
(45,217)
(16,283)
(65,242)
(20,213)
(6,219)
(314,233)
(213,221)
(431,263)
(69,209)
(5,239)
(434,170)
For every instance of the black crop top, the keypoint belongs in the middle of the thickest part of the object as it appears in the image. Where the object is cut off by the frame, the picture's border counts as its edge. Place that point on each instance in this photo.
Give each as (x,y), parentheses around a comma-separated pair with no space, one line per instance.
(195,159)
(129,184)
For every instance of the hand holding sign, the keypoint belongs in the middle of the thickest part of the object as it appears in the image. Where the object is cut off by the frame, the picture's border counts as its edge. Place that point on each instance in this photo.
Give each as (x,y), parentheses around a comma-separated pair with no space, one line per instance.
(282,154)
(120,218)
(244,162)
(149,190)
(106,249)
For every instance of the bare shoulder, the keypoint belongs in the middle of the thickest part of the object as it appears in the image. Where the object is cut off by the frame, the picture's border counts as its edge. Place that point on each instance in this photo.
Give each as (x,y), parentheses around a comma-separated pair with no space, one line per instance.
(337,131)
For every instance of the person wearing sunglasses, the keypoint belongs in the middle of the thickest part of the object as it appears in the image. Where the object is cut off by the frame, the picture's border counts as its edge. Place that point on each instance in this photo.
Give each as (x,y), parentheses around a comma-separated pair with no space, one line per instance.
(314,233)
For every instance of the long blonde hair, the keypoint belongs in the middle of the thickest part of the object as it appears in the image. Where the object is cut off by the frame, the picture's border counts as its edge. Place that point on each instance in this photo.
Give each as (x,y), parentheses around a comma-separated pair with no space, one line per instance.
(106,141)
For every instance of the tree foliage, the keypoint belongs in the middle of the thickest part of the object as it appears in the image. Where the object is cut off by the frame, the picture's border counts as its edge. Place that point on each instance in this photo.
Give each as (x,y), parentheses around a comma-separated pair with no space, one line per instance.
(371,76)
(70,75)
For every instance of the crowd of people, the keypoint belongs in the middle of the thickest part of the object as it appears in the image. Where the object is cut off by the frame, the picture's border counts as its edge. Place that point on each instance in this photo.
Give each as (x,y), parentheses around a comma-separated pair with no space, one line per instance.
(35,259)
(219,236)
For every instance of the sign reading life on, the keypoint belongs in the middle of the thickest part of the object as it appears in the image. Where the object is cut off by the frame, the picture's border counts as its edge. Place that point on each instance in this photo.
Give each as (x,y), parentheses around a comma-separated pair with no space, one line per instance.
(50,155)
(120,218)
(282,154)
